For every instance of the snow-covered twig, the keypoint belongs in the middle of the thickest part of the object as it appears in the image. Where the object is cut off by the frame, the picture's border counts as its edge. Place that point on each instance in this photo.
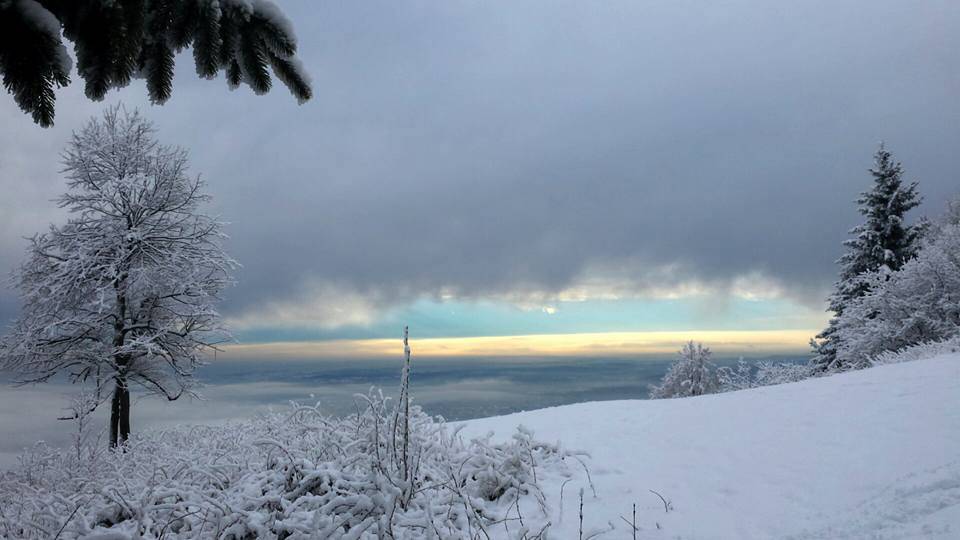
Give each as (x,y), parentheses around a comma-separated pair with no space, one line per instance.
(666,505)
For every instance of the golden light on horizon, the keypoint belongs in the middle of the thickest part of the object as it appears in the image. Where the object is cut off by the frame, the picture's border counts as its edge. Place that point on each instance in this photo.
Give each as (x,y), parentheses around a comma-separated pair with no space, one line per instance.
(587,344)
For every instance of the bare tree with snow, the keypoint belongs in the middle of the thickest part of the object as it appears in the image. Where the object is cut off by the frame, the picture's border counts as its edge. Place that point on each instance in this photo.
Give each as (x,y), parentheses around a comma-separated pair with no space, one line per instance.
(692,374)
(123,294)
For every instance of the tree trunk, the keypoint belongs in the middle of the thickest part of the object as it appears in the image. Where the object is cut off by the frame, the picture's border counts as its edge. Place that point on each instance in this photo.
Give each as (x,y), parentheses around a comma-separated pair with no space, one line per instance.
(120,414)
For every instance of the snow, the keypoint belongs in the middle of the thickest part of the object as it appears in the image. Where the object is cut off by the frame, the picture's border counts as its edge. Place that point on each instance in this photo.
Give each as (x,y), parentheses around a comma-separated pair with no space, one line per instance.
(41,18)
(387,471)
(866,454)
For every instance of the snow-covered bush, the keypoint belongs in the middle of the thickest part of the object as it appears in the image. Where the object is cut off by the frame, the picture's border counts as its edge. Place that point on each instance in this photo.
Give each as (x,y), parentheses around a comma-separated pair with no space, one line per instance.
(918,352)
(387,471)
(692,374)
(917,304)
(296,475)
(771,373)
(745,375)
(731,379)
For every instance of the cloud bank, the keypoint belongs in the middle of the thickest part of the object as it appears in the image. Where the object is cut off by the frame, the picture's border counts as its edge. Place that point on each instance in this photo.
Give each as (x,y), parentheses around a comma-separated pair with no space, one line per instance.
(539,152)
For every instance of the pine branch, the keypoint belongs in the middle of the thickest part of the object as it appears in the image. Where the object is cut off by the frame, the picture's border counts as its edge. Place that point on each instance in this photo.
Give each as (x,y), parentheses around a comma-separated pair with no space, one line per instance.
(253,62)
(208,40)
(115,42)
(32,59)
(291,73)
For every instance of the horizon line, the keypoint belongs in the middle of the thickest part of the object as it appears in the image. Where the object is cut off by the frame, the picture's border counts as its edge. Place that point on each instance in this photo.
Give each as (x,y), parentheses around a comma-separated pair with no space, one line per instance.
(745,342)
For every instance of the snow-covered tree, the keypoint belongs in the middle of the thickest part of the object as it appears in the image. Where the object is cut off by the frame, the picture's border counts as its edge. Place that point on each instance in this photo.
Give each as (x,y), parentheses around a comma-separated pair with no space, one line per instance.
(920,303)
(123,294)
(115,42)
(950,217)
(692,374)
(731,379)
(883,243)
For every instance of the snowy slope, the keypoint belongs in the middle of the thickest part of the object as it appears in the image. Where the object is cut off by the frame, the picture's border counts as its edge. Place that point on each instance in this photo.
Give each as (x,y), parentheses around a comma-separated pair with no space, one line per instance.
(868,454)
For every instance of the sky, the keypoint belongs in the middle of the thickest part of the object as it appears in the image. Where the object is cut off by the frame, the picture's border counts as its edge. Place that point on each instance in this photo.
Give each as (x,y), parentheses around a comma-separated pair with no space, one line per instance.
(545,176)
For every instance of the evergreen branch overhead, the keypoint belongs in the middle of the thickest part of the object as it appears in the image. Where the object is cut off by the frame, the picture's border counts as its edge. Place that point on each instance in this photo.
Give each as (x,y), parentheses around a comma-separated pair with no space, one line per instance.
(116,42)
(33,61)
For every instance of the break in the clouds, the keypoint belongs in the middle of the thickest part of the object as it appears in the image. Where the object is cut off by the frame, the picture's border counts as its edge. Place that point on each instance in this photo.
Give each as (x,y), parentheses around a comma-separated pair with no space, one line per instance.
(536,154)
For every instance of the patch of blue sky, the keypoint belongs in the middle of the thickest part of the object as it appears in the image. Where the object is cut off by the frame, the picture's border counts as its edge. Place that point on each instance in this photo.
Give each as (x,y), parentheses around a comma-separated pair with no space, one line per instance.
(457,318)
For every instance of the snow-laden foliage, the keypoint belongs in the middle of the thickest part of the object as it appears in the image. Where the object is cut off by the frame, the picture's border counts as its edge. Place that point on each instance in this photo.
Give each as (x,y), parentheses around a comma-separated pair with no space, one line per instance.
(691,374)
(883,243)
(745,375)
(124,293)
(300,474)
(771,373)
(116,42)
(739,377)
(387,471)
(917,304)
(918,352)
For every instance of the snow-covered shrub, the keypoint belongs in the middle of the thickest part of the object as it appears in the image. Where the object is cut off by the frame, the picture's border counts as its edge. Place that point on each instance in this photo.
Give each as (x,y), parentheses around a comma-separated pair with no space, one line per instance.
(388,471)
(745,375)
(731,379)
(917,304)
(84,439)
(295,475)
(770,373)
(692,374)
(918,352)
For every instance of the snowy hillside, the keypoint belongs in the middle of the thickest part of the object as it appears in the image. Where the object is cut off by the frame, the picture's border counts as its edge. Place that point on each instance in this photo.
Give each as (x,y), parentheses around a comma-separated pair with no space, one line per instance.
(868,454)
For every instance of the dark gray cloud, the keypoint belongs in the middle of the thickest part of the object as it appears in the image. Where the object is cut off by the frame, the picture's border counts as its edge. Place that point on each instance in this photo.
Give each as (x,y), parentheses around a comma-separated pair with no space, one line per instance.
(498,147)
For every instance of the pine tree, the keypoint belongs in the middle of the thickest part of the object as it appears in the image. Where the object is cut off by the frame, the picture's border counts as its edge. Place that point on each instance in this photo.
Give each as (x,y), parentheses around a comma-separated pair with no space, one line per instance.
(123,295)
(883,243)
(115,42)
(919,303)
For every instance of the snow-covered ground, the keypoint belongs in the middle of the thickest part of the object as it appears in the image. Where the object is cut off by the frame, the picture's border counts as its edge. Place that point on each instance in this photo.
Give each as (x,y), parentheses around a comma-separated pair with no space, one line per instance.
(868,454)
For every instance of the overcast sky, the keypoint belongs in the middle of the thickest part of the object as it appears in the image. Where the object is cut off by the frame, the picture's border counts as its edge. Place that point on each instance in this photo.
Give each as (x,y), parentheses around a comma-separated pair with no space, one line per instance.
(492,168)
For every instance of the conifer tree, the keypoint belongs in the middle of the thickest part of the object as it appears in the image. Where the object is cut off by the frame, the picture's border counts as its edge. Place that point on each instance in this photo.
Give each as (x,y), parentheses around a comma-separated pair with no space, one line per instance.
(116,41)
(883,243)
(920,303)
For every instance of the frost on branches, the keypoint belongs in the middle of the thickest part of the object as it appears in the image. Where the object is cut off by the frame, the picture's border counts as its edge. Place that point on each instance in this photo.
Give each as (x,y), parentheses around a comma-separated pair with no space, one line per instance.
(123,294)
(920,303)
(388,471)
(883,243)
(692,374)
(745,375)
